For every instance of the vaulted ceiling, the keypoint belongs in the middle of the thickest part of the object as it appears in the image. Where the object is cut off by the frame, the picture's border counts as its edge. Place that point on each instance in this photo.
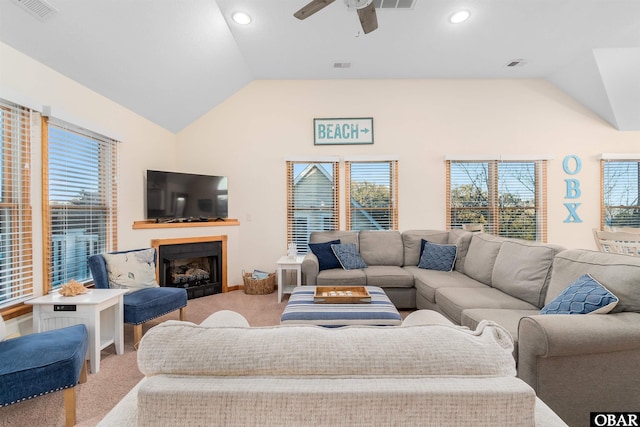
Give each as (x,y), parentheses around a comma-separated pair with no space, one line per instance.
(171,61)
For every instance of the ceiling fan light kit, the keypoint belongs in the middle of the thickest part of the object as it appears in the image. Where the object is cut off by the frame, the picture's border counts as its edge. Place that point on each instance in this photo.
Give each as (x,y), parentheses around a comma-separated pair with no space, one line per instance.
(241,18)
(366,11)
(460,16)
(357,4)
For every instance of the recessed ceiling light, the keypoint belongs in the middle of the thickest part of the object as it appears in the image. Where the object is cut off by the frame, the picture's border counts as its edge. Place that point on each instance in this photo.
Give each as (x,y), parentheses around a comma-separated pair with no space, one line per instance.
(460,16)
(241,18)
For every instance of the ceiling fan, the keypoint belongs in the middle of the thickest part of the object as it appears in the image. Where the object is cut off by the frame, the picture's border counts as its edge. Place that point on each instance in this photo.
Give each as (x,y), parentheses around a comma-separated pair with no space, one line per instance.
(366,11)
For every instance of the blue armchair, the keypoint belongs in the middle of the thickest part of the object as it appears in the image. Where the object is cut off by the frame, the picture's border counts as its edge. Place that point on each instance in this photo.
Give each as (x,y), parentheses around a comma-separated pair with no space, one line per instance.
(40,363)
(143,305)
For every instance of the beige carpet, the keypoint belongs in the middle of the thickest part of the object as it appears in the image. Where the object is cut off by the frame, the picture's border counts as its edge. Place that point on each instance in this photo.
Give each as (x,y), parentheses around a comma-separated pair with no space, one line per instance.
(118,374)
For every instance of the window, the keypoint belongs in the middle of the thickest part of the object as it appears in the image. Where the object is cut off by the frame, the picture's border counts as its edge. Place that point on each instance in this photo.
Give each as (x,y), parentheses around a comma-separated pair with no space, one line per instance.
(312,200)
(80,186)
(372,195)
(16,264)
(507,197)
(620,192)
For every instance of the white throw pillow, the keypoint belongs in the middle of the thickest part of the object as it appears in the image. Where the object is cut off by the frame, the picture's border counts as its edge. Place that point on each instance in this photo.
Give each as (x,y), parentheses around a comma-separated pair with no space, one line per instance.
(3,329)
(135,270)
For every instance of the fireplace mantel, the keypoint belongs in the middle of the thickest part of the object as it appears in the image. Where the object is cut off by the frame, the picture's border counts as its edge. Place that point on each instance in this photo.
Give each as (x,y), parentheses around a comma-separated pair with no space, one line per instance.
(156,243)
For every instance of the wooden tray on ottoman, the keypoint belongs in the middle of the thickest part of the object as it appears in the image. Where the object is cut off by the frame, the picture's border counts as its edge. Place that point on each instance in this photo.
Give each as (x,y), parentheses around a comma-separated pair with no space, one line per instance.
(341,295)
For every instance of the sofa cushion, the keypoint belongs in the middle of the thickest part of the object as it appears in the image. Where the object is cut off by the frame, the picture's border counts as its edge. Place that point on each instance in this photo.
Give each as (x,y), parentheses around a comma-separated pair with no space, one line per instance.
(325,236)
(326,258)
(453,301)
(341,277)
(146,304)
(618,273)
(182,348)
(388,276)
(381,247)
(3,329)
(348,256)
(584,296)
(462,239)
(427,282)
(412,239)
(522,270)
(437,256)
(507,318)
(481,257)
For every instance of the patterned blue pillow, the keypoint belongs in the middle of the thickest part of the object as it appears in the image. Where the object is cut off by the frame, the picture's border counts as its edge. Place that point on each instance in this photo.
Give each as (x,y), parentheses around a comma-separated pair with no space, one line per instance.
(438,257)
(348,255)
(584,296)
(326,258)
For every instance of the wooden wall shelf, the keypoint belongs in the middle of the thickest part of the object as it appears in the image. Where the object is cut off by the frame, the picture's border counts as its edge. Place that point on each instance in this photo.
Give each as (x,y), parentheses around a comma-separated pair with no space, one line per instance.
(141,225)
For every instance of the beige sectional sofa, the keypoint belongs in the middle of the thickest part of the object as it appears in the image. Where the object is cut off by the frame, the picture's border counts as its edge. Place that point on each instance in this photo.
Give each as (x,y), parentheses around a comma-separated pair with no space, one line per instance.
(576,363)
(225,373)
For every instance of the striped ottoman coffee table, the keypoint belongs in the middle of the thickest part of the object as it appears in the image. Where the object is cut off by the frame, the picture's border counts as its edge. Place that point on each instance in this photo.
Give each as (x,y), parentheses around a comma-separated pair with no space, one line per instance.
(302,310)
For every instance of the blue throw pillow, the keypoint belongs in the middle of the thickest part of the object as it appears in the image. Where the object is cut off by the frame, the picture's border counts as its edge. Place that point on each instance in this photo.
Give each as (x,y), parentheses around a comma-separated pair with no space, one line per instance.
(584,296)
(326,258)
(438,257)
(348,256)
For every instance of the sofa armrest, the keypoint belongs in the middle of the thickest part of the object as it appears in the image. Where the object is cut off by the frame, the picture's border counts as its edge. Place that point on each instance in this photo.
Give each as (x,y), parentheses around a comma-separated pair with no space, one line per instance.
(310,269)
(579,364)
(571,335)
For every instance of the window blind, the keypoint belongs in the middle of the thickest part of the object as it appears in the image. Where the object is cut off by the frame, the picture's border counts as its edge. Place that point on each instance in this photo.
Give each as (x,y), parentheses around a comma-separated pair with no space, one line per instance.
(620,192)
(312,200)
(507,197)
(80,191)
(16,262)
(371,195)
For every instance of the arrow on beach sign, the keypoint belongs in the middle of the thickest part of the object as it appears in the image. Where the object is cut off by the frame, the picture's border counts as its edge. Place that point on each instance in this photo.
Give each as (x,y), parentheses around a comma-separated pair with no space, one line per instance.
(343,131)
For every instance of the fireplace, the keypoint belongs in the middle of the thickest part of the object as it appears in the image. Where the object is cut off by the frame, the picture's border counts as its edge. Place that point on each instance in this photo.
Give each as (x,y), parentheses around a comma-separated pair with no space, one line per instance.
(195,264)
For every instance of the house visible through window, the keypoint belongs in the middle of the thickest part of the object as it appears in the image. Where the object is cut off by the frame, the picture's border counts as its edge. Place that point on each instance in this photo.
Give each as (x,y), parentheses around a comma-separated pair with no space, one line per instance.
(312,200)
(620,193)
(16,263)
(507,197)
(371,195)
(81,188)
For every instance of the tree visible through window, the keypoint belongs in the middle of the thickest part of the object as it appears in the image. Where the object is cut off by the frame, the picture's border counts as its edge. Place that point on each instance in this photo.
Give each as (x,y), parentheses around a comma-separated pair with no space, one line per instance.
(620,193)
(506,197)
(81,187)
(372,196)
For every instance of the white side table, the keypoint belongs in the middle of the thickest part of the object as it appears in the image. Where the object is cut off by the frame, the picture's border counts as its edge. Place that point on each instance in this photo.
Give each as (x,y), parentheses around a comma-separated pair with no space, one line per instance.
(286,263)
(101,310)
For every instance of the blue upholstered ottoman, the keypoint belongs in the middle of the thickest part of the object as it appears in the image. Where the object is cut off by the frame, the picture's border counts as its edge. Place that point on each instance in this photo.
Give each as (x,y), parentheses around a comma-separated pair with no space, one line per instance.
(302,310)
(41,363)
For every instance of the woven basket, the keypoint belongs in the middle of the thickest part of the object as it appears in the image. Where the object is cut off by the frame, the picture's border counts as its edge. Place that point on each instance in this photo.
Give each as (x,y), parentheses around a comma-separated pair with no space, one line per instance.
(259,286)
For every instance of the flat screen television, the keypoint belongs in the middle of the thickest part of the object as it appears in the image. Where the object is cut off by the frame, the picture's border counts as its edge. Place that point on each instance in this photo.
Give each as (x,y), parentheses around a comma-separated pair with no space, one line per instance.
(186,197)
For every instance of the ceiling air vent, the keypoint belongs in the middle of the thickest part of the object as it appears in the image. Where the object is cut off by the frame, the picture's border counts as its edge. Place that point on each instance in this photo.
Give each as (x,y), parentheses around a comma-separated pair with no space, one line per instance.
(516,63)
(41,9)
(394,4)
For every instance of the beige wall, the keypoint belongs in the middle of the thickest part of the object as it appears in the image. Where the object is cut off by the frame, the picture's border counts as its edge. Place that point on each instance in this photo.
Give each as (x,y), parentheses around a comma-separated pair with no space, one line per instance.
(144,144)
(250,135)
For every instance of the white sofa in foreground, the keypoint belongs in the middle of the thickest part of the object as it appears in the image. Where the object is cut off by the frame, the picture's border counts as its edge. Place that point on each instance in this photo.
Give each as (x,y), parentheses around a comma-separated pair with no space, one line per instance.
(235,375)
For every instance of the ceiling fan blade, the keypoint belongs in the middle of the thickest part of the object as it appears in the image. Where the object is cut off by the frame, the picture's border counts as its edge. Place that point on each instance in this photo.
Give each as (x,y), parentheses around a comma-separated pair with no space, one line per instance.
(311,8)
(368,18)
